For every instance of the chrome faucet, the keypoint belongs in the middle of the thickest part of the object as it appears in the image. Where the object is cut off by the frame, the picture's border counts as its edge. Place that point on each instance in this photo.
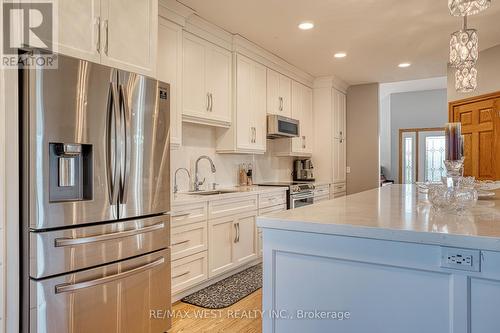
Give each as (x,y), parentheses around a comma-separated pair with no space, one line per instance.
(197,182)
(176,187)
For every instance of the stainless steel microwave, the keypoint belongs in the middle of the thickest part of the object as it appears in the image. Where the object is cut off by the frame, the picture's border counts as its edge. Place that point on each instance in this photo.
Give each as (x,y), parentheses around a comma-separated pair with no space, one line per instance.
(282,127)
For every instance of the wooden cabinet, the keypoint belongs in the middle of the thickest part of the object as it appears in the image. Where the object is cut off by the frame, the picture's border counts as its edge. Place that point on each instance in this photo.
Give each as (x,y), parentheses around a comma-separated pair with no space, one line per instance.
(117,33)
(206,82)
(248,131)
(170,70)
(278,93)
(339,135)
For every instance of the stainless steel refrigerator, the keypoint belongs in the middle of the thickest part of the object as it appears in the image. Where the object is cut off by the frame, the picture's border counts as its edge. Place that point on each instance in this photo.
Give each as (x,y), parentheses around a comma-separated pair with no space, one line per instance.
(95,199)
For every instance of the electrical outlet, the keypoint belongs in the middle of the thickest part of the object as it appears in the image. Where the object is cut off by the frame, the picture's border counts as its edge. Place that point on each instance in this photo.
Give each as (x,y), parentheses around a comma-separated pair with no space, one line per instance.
(348,170)
(462,259)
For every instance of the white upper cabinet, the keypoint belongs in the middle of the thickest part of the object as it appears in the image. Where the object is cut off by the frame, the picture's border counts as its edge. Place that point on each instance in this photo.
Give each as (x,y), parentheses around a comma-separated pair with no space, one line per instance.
(206,82)
(170,70)
(248,132)
(117,33)
(129,31)
(278,93)
(302,110)
(339,135)
(79,34)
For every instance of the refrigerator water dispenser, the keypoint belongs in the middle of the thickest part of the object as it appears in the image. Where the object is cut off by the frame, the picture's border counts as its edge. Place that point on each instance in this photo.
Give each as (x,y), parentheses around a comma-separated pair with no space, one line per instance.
(70,172)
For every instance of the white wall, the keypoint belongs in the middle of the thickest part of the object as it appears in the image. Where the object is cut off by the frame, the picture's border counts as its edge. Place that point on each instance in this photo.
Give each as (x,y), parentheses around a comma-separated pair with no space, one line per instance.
(488,77)
(415,109)
(385,91)
(200,140)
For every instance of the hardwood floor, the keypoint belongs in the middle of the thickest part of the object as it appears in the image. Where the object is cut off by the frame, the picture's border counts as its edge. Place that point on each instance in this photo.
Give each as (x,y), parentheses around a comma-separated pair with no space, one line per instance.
(241,317)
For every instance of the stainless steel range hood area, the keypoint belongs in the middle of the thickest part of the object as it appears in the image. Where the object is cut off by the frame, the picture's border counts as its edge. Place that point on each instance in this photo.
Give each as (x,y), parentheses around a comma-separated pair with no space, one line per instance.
(282,127)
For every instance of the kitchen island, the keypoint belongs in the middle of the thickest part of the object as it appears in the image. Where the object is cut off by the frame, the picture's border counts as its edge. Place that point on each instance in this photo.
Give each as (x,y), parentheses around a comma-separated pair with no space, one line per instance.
(382,261)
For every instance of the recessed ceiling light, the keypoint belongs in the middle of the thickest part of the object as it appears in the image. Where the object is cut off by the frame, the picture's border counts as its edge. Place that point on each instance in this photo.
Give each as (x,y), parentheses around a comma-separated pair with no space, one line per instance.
(306,25)
(404,65)
(340,55)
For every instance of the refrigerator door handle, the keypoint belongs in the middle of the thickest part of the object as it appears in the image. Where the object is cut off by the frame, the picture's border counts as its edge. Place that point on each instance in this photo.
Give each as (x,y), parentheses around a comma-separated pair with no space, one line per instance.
(68,287)
(125,162)
(111,146)
(63,242)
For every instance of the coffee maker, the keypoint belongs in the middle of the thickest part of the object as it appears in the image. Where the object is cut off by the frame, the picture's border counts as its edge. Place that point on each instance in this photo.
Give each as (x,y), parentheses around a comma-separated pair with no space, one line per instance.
(303,170)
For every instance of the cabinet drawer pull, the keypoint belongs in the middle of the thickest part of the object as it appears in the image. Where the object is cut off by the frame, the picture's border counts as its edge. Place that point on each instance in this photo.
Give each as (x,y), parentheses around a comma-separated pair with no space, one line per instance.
(69,287)
(180,243)
(180,214)
(180,275)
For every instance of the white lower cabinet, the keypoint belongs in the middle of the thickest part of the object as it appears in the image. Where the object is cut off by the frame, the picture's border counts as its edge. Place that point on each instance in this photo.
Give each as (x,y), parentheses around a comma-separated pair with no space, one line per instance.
(188,239)
(189,271)
(232,242)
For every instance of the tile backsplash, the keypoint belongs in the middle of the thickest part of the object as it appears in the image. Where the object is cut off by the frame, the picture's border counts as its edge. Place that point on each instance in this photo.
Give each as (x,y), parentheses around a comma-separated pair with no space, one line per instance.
(200,140)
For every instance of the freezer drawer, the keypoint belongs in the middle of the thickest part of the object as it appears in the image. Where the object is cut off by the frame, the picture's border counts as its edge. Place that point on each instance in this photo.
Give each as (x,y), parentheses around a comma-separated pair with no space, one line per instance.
(119,297)
(57,252)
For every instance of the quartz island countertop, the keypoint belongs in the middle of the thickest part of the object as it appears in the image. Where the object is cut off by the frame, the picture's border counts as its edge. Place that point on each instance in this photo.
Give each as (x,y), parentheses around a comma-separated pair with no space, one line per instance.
(396,212)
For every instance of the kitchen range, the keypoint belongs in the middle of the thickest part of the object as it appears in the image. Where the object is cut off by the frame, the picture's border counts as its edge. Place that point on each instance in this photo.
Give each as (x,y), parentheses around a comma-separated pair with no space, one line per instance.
(95,199)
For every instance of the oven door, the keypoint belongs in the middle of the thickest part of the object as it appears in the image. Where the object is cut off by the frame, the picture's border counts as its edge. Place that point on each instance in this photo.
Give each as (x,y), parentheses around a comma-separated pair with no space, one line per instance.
(126,296)
(301,200)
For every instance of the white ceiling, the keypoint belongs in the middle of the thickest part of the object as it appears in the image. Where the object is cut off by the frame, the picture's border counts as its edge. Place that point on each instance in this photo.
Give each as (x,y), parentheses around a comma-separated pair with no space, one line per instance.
(376,34)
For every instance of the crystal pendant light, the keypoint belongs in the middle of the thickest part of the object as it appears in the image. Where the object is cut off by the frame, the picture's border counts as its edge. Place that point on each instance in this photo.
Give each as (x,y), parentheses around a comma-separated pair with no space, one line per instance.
(466,77)
(464,46)
(467,7)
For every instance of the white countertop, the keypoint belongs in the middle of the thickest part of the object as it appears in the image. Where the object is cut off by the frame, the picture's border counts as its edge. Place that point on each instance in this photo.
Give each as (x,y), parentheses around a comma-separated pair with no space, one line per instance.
(396,212)
(183,198)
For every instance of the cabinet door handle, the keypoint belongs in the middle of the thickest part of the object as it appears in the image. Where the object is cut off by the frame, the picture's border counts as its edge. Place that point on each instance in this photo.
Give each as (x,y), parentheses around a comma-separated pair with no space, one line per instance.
(281,103)
(179,275)
(208,102)
(211,102)
(98,32)
(106,35)
(180,243)
(235,233)
(304,142)
(238,225)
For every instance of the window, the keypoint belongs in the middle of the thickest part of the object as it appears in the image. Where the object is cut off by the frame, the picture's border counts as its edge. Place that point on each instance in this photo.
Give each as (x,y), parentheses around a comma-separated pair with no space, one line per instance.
(434,158)
(408,160)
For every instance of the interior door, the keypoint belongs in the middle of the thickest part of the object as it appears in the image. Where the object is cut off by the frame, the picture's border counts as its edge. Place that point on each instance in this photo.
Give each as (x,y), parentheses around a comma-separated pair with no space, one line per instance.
(481,129)
(145,159)
(118,297)
(69,105)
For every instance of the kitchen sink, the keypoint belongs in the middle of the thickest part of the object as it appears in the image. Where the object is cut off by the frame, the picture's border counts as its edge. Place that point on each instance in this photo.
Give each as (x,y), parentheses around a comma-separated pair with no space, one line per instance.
(215,192)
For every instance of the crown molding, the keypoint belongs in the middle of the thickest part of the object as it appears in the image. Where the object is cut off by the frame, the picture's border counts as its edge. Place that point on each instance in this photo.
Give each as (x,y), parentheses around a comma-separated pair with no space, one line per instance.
(331,81)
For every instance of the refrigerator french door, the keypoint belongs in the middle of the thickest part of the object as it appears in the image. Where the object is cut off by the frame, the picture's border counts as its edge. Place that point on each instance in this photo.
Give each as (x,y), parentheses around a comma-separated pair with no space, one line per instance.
(95,199)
